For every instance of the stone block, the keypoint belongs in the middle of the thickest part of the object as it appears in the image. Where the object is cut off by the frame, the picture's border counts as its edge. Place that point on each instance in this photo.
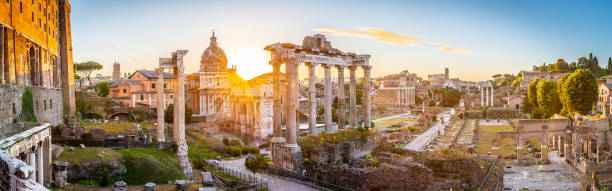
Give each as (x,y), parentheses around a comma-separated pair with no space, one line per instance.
(207,189)
(98,134)
(149,186)
(181,184)
(207,179)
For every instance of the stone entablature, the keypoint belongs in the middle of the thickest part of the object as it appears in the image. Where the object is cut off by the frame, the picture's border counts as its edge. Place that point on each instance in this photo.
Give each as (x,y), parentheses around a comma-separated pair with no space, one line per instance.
(34,146)
(315,50)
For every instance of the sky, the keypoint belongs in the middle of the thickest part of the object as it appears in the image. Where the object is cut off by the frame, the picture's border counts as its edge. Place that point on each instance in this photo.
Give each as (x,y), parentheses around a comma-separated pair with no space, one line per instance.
(474,39)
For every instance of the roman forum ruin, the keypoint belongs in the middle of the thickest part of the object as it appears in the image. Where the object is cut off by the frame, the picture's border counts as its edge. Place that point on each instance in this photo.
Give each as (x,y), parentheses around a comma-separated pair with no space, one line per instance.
(315,50)
(175,64)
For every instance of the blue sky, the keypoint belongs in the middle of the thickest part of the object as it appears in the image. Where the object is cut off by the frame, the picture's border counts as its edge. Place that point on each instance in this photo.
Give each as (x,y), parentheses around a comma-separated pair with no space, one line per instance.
(497,36)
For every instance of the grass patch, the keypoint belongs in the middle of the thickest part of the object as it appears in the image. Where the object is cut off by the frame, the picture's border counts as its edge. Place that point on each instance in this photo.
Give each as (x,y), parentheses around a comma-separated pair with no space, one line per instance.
(150,165)
(88,154)
(486,135)
(114,128)
(395,121)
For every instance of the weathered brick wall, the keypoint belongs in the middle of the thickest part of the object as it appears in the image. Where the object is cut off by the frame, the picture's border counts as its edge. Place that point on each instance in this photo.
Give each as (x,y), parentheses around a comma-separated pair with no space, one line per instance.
(47,104)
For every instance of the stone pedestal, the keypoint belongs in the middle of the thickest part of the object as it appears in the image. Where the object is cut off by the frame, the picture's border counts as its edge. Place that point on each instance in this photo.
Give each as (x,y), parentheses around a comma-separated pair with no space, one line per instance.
(120,186)
(149,186)
(285,157)
(60,175)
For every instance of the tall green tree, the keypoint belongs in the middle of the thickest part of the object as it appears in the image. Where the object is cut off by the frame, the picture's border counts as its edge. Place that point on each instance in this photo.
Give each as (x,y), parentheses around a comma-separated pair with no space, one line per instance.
(84,69)
(532,99)
(560,91)
(609,65)
(579,92)
(103,89)
(548,100)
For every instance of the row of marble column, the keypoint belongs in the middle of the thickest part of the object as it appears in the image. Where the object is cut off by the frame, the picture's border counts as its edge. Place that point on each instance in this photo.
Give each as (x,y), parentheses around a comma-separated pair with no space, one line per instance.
(292,92)
(37,162)
(486,95)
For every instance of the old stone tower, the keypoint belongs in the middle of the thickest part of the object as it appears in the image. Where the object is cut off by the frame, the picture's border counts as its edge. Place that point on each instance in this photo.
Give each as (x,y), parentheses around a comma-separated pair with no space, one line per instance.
(116,71)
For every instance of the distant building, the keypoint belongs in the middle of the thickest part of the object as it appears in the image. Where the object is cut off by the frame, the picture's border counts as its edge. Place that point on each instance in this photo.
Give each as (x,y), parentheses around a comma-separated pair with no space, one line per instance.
(139,90)
(529,76)
(603,98)
(116,71)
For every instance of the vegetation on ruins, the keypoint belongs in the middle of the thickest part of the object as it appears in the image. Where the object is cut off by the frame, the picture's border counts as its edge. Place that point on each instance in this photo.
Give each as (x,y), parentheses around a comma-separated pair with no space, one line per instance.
(84,70)
(150,165)
(308,143)
(574,93)
(27,107)
(450,97)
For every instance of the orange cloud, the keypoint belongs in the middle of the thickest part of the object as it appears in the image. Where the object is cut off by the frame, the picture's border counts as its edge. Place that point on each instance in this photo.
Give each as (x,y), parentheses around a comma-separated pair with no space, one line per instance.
(389,37)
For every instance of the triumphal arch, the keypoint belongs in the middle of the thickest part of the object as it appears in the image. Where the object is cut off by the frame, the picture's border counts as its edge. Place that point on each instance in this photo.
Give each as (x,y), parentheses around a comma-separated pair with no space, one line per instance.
(314,51)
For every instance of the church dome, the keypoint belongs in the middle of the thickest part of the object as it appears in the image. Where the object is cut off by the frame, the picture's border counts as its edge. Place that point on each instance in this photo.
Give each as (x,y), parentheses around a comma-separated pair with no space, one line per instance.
(213,57)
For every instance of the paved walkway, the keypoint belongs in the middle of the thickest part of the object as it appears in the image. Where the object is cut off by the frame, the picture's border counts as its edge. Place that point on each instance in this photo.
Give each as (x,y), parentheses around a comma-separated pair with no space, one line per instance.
(428,136)
(552,176)
(276,182)
(403,115)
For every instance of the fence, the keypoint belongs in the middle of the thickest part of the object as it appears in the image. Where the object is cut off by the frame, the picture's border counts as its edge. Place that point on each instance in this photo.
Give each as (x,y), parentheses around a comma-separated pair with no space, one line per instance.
(246,176)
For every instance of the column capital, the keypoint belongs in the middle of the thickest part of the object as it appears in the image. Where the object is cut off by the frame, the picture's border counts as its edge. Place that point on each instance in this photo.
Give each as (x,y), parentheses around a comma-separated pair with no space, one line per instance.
(311,64)
(340,67)
(275,62)
(366,67)
(352,68)
(327,66)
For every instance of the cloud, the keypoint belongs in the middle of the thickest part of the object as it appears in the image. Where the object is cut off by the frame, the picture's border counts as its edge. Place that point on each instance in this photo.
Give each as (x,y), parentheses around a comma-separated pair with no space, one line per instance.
(389,37)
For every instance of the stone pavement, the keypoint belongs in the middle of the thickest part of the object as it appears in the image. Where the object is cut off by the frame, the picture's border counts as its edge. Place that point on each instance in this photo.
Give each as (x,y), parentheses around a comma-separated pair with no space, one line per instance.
(552,176)
(428,136)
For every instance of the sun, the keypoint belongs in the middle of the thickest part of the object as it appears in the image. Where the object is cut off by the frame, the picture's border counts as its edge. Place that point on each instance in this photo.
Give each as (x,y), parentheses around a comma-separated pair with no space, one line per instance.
(249,62)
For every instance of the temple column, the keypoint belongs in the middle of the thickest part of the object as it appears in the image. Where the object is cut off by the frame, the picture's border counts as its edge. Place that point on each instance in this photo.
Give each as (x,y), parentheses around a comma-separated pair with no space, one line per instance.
(367,101)
(290,123)
(353,99)
(340,90)
(544,152)
(519,153)
(277,113)
(492,96)
(328,98)
(487,95)
(312,99)
(161,135)
(39,165)
(32,163)
(481,96)
(179,96)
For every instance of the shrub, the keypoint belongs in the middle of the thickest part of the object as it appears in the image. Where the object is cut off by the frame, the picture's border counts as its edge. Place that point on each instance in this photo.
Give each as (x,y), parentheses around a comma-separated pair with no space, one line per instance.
(235,142)
(233,151)
(27,106)
(86,136)
(253,149)
(225,141)
(257,162)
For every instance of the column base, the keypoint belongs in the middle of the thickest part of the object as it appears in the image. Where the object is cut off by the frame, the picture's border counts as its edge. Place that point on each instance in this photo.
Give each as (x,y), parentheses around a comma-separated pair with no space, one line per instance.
(285,157)
(277,140)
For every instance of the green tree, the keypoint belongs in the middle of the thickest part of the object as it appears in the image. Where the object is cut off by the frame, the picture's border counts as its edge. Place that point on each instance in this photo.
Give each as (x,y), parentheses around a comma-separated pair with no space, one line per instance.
(516,81)
(610,65)
(103,89)
(560,91)
(532,92)
(84,69)
(548,101)
(27,106)
(169,114)
(579,92)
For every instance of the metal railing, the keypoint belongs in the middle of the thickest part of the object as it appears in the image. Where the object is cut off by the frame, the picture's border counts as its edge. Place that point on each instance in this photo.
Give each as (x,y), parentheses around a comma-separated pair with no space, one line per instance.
(244,175)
